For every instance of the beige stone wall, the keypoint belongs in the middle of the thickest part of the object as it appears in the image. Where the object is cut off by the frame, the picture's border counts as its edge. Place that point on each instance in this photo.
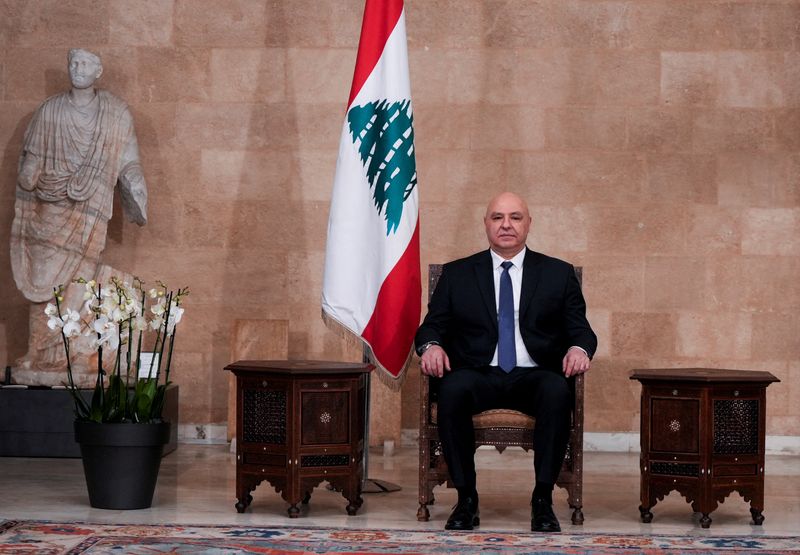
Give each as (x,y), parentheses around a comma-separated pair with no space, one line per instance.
(657,141)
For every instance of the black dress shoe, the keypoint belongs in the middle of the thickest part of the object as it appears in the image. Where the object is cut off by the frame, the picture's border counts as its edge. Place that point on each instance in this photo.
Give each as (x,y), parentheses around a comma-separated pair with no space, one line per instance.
(465,515)
(543,519)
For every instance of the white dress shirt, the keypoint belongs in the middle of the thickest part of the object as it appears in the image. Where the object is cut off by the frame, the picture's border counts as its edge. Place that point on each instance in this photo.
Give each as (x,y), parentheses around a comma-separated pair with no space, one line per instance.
(515,272)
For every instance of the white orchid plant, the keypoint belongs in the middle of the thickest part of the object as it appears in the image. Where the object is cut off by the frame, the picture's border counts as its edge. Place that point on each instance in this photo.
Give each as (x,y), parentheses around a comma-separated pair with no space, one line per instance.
(117,316)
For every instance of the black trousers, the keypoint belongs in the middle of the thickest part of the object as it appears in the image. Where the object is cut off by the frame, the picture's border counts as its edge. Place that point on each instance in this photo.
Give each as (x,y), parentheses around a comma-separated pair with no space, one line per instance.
(544,394)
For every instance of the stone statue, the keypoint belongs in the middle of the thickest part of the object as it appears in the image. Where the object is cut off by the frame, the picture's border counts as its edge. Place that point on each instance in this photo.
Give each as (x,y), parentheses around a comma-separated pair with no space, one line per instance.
(79,145)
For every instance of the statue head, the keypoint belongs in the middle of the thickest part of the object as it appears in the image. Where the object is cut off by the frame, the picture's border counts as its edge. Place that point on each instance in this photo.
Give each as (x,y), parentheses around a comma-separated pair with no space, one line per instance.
(84,68)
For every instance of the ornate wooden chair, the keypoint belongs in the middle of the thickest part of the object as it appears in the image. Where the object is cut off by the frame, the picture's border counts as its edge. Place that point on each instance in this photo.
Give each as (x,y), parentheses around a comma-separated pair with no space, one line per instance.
(500,428)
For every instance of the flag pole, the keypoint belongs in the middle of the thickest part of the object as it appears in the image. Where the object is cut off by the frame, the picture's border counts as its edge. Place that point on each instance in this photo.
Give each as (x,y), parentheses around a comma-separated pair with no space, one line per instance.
(371,284)
(371,485)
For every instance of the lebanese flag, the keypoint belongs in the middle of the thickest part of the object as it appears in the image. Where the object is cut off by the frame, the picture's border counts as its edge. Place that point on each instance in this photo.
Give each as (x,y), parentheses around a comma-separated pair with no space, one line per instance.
(372,287)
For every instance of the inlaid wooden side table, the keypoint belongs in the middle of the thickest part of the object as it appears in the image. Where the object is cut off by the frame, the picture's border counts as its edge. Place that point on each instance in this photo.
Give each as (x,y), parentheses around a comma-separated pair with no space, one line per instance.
(299,423)
(702,434)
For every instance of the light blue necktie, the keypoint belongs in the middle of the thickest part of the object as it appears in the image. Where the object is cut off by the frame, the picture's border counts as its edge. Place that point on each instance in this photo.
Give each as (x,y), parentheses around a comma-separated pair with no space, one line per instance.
(506,349)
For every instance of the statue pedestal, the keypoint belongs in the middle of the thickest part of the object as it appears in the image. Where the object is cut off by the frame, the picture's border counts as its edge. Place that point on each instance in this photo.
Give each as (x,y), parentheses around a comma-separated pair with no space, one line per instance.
(42,378)
(37,421)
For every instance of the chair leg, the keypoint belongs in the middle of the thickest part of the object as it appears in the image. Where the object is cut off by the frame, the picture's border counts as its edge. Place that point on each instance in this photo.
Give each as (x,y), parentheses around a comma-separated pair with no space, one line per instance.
(574,494)
(574,489)
(423,514)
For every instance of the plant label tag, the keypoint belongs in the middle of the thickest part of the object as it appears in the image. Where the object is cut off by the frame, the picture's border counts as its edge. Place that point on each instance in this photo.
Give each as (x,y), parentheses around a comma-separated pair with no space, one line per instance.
(146,360)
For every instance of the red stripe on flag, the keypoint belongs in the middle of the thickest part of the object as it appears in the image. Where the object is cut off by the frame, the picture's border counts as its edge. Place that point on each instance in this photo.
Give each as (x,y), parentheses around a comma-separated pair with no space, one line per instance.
(380,18)
(391,328)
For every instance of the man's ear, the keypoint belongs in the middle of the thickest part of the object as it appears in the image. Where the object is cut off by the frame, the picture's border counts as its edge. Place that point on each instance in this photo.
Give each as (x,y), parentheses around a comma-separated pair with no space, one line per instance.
(99,73)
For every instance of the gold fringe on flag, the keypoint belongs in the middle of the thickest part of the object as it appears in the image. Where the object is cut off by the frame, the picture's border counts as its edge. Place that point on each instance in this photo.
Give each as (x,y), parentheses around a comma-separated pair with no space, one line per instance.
(393,383)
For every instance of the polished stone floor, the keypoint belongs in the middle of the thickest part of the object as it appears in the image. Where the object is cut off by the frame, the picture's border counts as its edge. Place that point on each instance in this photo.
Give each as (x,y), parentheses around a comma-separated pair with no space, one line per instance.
(196,485)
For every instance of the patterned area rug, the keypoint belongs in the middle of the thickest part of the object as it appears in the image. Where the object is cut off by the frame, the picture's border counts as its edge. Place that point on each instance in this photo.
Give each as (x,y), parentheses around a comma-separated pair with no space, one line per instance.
(44,538)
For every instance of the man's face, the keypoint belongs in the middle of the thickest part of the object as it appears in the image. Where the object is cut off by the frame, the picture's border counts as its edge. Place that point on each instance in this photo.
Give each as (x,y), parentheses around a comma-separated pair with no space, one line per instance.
(84,70)
(507,224)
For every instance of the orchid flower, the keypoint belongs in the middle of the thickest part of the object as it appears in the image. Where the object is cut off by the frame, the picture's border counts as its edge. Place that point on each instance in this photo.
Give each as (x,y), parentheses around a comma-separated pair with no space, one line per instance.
(160,307)
(72,323)
(69,321)
(53,322)
(175,315)
(107,332)
(156,323)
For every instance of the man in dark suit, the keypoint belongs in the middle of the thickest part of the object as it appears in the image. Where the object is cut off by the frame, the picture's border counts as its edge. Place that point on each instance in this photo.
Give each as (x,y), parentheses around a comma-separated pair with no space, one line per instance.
(505,328)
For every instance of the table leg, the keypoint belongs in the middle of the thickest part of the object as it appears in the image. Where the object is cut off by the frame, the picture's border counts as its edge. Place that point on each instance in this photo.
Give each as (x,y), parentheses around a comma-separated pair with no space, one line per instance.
(354,505)
(243,498)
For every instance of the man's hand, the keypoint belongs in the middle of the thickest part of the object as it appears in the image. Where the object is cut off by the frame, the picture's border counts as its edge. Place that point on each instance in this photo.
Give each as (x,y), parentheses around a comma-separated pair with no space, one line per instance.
(575,362)
(434,362)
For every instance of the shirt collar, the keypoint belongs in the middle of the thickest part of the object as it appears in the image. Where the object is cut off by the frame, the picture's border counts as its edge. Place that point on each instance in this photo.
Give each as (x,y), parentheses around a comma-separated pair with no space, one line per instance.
(516,260)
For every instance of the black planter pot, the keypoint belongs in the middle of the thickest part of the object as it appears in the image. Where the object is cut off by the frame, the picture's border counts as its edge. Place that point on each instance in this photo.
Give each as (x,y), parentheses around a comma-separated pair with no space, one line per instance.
(121,462)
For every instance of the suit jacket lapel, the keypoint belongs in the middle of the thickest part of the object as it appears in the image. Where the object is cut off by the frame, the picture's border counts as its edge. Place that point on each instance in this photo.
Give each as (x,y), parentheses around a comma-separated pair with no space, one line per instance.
(530,280)
(483,274)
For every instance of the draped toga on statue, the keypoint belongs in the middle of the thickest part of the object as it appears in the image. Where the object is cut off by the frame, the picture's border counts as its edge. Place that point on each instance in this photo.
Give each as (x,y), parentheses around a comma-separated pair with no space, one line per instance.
(75,156)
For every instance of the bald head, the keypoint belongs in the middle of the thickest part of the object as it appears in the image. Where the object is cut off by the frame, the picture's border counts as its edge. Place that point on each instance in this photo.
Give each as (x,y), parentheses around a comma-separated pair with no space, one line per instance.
(507,222)
(507,200)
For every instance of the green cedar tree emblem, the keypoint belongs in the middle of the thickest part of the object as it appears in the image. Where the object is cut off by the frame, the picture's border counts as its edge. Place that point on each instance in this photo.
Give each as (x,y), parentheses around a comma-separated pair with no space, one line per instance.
(386,134)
